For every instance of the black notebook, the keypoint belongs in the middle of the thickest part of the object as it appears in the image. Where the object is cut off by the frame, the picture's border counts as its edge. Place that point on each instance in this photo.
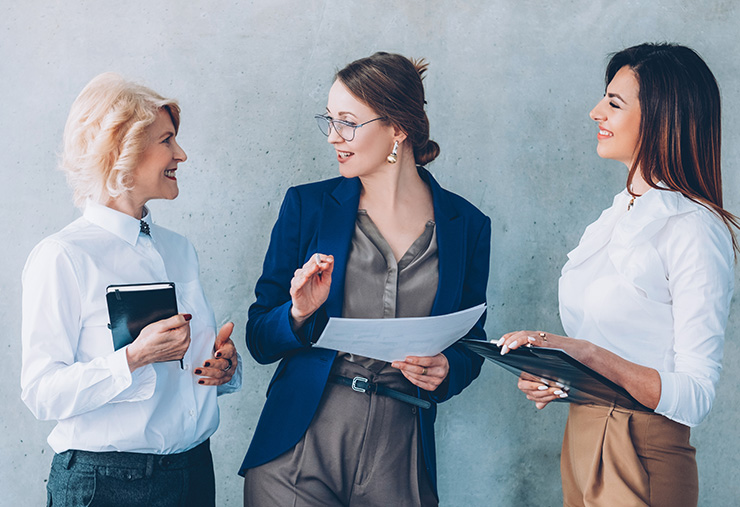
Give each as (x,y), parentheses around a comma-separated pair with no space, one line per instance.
(582,384)
(133,307)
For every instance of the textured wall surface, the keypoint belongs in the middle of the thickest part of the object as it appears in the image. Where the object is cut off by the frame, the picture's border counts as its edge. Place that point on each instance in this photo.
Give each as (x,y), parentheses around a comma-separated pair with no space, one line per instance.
(509,87)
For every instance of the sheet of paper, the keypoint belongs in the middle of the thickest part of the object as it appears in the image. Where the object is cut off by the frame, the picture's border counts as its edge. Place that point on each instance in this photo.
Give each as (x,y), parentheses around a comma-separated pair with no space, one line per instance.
(394,339)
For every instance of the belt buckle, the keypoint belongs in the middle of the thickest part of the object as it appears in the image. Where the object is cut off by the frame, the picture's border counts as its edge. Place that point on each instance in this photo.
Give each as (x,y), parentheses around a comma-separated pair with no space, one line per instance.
(354,384)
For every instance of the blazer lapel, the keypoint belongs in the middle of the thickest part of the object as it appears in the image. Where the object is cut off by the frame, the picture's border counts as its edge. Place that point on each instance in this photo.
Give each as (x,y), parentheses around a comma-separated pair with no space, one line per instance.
(450,242)
(336,226)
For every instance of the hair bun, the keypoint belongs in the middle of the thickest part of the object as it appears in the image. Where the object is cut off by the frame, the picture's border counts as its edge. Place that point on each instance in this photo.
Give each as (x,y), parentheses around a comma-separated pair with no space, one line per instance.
(425,154)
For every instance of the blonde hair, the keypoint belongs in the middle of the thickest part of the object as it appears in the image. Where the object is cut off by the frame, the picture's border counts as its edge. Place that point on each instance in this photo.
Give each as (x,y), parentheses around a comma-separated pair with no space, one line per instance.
(106,133)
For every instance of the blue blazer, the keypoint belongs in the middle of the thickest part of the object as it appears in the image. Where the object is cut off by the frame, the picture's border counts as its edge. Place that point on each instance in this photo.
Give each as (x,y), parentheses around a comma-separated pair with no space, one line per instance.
(320,217)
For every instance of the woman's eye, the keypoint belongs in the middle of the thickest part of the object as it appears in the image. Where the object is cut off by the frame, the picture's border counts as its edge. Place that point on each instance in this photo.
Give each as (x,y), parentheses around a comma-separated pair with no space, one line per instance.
(167,140)
(614,105)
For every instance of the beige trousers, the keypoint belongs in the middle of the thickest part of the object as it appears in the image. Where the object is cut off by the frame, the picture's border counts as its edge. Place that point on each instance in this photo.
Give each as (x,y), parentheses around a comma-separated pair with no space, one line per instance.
(617,457)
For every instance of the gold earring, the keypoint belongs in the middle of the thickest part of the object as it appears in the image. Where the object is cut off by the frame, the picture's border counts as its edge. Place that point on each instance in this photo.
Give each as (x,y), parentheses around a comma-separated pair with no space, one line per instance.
(393,157)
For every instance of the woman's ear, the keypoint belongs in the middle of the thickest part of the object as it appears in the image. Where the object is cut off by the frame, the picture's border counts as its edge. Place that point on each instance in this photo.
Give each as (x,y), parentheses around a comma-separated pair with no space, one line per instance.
(398,134)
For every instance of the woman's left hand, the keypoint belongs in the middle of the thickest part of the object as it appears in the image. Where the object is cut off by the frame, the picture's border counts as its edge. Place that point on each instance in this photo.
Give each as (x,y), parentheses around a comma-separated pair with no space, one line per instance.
(517,339)
(221,368)
(424,372)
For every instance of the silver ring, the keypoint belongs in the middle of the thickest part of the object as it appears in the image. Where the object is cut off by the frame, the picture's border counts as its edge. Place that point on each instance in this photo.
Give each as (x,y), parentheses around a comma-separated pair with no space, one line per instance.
(229,366)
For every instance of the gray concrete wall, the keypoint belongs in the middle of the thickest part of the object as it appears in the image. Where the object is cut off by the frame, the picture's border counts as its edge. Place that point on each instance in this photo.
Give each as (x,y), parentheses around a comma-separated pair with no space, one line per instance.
(509,88)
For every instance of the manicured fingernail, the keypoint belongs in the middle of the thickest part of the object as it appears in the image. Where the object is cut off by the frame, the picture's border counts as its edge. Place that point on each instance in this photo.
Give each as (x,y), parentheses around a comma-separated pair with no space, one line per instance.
(545,381)
(500,341)
(542,388)
(207,364)
(564,395)
(187,316)
(198,371)
(504,349)
(558,392)
(201,382)
(559,384)
(218,354)
(530,338)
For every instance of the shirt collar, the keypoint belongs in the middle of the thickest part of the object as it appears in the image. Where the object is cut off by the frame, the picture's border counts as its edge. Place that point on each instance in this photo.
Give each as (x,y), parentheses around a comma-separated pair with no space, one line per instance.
(122,225)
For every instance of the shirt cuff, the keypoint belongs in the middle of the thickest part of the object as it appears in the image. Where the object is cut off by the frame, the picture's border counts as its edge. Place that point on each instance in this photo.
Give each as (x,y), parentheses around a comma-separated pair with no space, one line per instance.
(136,386)
(690,411)
(235,383)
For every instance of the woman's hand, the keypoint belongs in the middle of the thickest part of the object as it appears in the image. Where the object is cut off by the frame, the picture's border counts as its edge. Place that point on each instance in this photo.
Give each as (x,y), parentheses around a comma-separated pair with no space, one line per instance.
(424,372)
(221,368)
(310,286)
(164,340)
(541,391)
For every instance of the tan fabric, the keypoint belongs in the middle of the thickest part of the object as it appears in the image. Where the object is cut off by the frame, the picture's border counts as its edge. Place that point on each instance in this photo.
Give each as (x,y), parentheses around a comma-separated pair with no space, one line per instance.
(616,457)
(360,450)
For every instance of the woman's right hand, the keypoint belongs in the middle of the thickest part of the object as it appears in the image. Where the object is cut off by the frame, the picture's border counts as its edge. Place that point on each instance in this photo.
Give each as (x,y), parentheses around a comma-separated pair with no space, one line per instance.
(310,286)
(164,340)
(540,391)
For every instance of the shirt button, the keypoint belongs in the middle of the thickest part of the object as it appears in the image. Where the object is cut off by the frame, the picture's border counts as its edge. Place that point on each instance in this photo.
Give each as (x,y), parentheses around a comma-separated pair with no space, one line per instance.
(192,413)
(186,366)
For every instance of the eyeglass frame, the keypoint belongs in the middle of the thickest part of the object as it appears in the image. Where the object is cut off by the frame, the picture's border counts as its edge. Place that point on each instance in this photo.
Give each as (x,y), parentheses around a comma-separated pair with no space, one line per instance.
(331,121)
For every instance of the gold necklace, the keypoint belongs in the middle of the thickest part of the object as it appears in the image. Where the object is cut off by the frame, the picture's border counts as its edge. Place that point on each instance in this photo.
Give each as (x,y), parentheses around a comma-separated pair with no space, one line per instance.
(631,203)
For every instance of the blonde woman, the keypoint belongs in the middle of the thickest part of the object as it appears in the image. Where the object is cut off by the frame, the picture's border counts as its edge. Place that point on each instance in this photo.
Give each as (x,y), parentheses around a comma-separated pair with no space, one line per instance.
(132,424)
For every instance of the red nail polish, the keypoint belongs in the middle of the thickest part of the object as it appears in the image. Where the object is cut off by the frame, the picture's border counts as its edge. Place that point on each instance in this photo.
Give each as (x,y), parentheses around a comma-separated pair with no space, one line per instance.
(187,316)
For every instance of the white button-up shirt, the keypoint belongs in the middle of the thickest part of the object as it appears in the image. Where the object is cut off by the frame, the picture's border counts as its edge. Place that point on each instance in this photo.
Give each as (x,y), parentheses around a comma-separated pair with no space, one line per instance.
(653,285)
(70,372)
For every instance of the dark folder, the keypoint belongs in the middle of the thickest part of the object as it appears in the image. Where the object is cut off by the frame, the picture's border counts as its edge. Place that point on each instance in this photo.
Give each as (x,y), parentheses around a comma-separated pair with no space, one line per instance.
(133,307)
(583,384)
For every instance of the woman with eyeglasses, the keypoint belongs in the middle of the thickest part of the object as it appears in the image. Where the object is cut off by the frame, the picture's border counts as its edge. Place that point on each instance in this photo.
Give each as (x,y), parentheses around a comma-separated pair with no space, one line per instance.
(383,240)
(645,295)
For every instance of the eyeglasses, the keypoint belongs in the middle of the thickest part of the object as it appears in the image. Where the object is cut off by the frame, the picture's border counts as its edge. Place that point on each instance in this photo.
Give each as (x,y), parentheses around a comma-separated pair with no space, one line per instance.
(345,129)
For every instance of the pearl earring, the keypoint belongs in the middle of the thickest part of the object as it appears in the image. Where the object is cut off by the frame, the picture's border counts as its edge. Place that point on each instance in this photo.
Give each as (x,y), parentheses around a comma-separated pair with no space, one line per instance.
(393,157)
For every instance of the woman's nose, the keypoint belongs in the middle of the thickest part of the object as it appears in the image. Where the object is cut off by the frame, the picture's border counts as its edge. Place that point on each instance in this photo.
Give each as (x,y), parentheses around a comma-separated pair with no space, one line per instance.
(180,154)
(597,113)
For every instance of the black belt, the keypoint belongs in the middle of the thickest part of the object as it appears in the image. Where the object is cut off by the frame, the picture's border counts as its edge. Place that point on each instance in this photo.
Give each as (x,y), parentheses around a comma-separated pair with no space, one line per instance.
(362,385)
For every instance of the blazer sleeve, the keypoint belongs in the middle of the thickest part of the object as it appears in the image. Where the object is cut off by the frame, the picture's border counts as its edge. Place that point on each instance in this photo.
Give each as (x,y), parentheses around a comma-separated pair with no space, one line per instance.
(465,365)
(270,336)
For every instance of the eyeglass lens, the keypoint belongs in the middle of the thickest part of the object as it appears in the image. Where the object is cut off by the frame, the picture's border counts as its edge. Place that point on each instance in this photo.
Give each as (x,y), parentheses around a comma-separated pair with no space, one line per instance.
(325,126)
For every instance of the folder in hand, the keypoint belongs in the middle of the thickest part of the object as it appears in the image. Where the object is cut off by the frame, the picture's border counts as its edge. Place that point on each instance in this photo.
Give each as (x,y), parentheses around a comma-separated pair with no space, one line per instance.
(132,307)
(582,384)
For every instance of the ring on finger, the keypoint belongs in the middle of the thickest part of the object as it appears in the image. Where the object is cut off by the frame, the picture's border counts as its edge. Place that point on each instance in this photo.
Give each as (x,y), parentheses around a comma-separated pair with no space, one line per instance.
(229,366)
(543,336)
(424,370)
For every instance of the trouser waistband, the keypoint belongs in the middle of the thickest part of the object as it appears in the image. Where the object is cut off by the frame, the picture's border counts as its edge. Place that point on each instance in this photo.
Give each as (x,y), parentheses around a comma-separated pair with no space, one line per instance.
(146,463)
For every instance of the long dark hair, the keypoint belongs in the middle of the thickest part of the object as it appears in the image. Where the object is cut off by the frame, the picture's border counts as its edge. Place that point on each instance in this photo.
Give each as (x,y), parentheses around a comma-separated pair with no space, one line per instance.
(391,85)
(680,127)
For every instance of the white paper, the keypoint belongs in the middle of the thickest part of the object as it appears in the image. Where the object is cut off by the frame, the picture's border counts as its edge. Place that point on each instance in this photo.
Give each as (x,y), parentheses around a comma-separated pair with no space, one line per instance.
(395,339)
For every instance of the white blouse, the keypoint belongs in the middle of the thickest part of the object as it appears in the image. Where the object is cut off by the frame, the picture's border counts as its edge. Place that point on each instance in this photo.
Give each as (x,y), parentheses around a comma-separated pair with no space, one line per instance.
(70,372)
(653,285)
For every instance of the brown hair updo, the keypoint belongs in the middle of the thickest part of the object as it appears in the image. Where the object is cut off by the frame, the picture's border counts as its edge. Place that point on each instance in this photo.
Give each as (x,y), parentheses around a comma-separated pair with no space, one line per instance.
(391,85)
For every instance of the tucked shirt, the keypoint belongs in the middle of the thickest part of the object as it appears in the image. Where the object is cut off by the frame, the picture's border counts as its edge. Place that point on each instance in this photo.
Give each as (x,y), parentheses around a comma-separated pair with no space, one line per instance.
(70,370)
(653,285)
(376,286)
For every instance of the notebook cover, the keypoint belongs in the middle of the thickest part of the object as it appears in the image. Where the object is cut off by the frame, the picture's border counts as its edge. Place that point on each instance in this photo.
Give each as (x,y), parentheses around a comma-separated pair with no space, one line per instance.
(132,307)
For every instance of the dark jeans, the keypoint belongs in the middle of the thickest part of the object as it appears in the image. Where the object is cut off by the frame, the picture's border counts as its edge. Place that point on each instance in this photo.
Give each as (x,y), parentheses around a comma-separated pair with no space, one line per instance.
(122,479)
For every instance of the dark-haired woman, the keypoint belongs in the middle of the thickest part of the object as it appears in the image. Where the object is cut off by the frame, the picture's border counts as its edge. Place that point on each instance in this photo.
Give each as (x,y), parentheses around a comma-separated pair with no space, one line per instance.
(646,294)
(384,240)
